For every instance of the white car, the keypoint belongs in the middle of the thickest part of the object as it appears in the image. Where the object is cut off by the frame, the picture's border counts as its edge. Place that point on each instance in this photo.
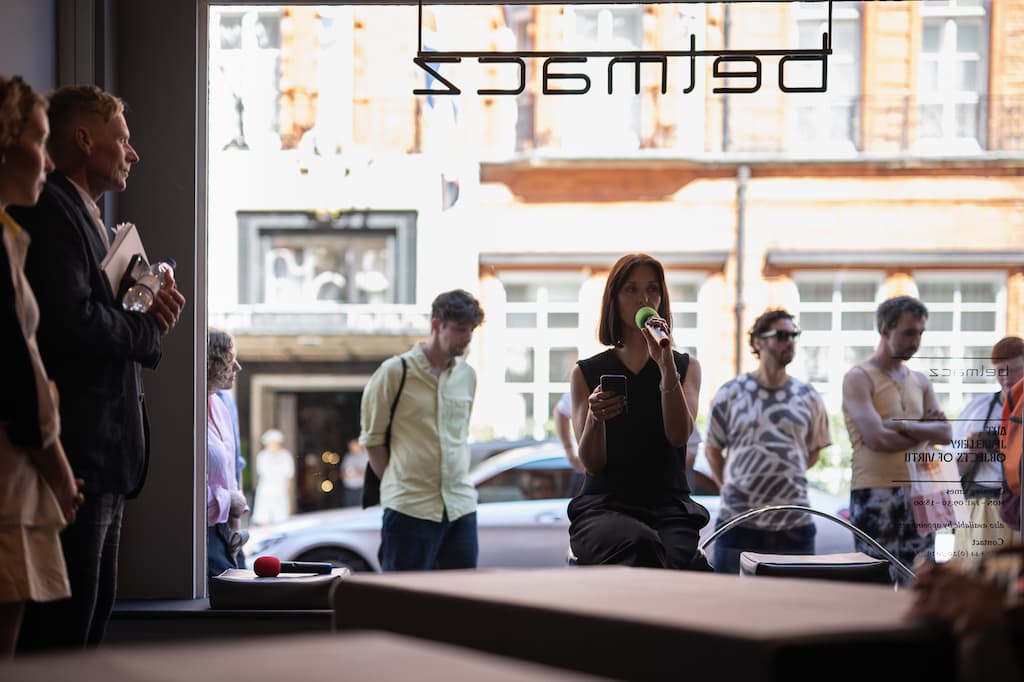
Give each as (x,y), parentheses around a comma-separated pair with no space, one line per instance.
(521,519)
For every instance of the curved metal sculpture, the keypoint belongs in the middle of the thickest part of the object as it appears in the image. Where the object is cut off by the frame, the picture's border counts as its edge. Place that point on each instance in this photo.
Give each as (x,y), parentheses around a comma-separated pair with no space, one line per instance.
(736,520)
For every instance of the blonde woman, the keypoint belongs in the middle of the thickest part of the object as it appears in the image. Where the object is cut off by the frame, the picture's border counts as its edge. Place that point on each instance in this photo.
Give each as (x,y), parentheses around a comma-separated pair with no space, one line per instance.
(38,493)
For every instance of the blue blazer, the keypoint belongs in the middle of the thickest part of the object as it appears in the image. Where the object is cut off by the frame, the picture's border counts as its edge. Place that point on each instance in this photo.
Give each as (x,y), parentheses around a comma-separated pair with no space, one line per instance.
(92,348)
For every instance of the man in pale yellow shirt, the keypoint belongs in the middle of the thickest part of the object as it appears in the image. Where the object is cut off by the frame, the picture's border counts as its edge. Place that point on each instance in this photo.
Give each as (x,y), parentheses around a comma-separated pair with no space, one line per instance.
(423,461)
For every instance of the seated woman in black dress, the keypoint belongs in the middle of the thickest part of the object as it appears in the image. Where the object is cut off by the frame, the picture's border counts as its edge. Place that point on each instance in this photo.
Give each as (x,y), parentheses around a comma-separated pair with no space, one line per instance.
(635,507)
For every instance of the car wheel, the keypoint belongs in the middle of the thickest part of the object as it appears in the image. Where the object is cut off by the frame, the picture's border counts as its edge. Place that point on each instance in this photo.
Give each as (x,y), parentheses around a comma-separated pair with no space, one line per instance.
(339,557)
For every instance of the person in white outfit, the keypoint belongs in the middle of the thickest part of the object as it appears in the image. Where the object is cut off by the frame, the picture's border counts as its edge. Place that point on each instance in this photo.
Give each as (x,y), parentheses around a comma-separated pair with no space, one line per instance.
(275,470)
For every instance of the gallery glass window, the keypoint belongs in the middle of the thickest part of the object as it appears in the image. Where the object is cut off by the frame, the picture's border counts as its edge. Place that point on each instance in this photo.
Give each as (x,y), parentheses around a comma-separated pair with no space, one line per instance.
(837,316)
(683,289)
(245,60)
(827,122)
(301,260)
(966,316)
(952,73)
(597,120)
(542,337)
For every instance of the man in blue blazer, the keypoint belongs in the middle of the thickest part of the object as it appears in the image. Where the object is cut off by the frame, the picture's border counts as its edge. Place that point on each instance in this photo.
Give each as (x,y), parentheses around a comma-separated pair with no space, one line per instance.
(93,350)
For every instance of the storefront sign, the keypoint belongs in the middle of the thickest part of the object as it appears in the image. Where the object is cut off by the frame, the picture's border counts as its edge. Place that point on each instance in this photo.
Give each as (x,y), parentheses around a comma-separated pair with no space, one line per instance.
(558,77)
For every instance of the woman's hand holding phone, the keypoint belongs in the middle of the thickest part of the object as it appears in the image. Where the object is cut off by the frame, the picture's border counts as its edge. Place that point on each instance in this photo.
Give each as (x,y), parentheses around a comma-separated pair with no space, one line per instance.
(609,399)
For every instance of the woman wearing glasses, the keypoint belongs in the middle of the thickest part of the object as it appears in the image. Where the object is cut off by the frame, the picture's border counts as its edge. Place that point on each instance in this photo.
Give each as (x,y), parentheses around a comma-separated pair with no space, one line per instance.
(766,430)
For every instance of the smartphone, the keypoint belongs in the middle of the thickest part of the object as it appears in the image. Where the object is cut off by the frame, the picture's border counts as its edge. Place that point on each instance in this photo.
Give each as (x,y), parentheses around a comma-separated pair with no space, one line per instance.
(616,383)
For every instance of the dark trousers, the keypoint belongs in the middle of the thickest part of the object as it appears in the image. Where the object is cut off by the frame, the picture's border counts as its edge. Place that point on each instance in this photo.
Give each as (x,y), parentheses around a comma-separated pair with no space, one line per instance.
(90,547)
(351,497)
(739,539)
(605,530)
(411,544)
(886,514)
(223,549)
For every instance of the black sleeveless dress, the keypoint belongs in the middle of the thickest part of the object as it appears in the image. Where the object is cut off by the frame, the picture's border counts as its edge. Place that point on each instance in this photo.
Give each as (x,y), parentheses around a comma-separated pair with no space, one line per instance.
(638,510)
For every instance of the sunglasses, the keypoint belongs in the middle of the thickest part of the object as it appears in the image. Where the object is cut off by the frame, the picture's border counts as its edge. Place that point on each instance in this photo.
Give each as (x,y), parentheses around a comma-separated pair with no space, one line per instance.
(781,335)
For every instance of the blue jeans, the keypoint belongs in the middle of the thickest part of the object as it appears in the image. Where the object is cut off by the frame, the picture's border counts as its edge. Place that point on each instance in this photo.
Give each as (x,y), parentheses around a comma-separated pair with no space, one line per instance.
(739,539)
(90,546)
(411,544)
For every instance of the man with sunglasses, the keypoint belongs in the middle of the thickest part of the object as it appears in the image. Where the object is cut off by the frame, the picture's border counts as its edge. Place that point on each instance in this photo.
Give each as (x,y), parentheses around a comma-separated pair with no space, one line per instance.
(766,430)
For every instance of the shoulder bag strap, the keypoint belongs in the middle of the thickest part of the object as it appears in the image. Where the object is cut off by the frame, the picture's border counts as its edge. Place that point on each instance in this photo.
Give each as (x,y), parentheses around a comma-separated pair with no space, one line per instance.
(967,480)
(394,404)
(371,483)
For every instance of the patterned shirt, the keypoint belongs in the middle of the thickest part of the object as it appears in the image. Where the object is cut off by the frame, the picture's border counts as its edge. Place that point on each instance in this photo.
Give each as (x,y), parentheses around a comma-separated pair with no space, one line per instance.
(769,435)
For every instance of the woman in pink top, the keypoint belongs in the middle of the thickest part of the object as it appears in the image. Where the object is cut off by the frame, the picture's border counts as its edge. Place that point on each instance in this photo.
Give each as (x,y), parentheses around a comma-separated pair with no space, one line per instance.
(225,502)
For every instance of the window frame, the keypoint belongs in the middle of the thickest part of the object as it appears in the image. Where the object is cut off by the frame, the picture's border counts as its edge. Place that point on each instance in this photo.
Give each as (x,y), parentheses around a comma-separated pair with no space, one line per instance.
(573,110)
(948,98)
(539,389)
(820,104)
(956,393)
(835,339)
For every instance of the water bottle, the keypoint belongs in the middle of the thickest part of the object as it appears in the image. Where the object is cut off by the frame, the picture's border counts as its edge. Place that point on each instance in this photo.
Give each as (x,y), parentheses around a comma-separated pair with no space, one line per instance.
(140,296)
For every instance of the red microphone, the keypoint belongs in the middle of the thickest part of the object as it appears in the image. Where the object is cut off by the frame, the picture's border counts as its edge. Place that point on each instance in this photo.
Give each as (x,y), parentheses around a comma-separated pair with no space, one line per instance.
(271,566)
(643,317)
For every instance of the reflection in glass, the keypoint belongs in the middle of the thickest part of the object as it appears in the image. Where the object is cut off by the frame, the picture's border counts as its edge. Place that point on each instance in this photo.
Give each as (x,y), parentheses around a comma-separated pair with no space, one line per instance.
(815,291)
(814,360)
(936,291)
(230,31)
(940,321)
(562,361)
(858,292)
(683,291)
(518,364)
(855,355)
(515,485)
(935,363)
(521,320)
(815,321)
(863,321)
(978,321)
(978,292)
(977,365)
(684,320)
(563,320)
(305,269)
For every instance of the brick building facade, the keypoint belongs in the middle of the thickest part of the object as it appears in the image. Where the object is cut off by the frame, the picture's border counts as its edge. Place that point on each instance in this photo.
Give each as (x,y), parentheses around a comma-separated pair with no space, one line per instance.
(907,176)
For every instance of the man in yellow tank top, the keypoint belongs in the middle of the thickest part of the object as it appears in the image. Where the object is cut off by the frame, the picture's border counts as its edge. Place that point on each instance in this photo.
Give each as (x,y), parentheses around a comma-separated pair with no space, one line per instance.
(889,411)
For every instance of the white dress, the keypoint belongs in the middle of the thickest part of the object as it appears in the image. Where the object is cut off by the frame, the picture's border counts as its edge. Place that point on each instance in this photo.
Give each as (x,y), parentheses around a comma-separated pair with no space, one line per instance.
(275,470)
(30,516)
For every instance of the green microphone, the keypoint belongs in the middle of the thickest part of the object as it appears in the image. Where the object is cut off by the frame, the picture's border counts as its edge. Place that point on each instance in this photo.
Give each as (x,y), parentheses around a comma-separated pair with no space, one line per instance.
(643,317)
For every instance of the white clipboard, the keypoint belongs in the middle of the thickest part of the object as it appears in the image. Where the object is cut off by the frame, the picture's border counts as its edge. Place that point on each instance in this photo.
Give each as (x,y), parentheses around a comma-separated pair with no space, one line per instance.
(127,243)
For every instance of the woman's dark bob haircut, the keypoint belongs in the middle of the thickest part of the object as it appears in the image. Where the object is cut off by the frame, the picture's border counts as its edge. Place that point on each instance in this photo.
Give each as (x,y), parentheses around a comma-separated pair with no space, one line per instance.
(609,330)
